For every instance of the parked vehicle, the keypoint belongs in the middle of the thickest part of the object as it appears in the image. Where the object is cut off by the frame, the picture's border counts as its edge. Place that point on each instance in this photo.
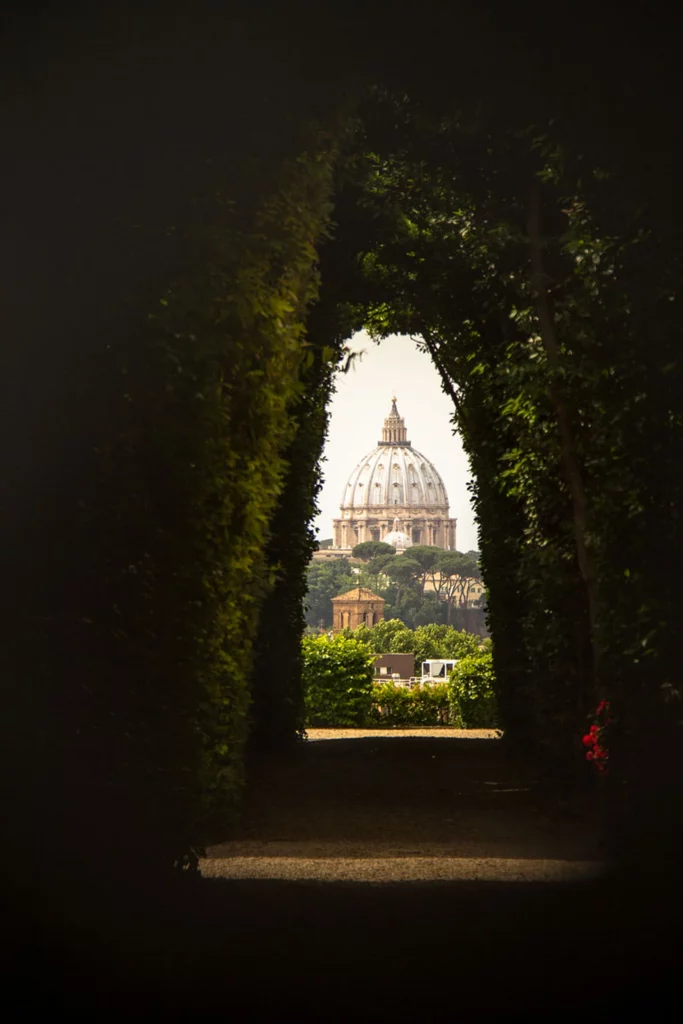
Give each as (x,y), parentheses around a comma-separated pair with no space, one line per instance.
(437,670)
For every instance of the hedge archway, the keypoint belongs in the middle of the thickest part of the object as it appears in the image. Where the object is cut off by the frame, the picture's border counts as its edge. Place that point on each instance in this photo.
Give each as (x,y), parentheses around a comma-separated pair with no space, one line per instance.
(169,386)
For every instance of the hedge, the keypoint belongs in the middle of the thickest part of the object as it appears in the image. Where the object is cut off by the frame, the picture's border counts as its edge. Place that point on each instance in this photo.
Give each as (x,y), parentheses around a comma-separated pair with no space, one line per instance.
(337,677)
(471,689)
(160,524)
(421,705)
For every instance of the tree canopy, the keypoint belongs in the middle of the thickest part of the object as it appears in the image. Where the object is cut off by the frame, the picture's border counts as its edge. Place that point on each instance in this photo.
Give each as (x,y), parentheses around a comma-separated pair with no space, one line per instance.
(326,580)
(372,548)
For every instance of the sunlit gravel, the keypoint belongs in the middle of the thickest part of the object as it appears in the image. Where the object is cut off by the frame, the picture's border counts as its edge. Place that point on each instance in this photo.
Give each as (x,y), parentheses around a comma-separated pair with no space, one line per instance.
(423,732)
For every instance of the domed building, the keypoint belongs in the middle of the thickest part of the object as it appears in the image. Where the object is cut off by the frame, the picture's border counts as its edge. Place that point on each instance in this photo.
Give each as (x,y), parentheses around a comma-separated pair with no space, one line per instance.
(397,538)
(396,495)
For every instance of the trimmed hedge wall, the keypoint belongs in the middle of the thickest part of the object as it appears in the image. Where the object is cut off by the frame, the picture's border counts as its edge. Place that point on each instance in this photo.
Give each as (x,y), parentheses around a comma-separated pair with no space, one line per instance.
(429,705)
(143,636)
(472,691)
(337,677)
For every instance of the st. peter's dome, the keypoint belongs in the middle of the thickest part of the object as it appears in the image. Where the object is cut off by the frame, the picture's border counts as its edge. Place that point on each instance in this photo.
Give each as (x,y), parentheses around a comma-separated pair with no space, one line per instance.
(394,473)
(394,482)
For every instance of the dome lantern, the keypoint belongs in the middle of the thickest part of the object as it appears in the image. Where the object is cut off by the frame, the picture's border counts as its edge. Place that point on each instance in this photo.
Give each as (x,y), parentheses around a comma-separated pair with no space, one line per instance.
(394,429)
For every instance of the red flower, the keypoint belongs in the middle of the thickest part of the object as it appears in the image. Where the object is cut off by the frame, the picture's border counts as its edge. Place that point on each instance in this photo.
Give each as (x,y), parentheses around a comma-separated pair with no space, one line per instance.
(593,740)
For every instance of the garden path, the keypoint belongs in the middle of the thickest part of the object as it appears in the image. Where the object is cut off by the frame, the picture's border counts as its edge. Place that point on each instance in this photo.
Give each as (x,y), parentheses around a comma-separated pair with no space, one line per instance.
(402,805)
(410,878)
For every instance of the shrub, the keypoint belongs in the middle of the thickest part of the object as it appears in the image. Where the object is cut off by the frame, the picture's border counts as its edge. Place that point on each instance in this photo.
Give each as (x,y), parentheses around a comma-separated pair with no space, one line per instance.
(422,705)
(392,636)
(472,692)
(337,678)
(437,641)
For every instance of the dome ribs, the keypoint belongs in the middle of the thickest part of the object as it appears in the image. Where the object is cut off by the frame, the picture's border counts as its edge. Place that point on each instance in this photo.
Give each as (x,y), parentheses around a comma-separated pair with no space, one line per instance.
(392,484)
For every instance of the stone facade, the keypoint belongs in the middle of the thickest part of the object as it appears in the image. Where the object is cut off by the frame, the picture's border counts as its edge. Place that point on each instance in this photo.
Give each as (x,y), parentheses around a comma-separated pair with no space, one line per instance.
(356,607)
(422,525)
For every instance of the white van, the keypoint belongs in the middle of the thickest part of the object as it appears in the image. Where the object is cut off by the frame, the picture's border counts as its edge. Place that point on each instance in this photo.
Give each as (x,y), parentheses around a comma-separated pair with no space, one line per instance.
(437,671)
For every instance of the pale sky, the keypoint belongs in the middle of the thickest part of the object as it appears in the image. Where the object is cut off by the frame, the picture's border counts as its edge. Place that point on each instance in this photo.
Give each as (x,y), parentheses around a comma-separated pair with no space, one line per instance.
(363,399)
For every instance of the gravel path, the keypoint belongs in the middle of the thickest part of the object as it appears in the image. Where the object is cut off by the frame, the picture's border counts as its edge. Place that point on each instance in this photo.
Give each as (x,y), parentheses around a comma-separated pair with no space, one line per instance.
(421,731)
(384,806)
(381,870)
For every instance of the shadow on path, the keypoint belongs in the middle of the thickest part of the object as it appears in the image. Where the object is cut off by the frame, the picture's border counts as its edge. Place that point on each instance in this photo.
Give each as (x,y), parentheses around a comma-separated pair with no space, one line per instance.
(269,948)
(369,798)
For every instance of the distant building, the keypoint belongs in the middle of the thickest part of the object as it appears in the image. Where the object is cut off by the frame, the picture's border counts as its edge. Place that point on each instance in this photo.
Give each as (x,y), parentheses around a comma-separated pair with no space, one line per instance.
(357,607)
(394,494)
(389,666)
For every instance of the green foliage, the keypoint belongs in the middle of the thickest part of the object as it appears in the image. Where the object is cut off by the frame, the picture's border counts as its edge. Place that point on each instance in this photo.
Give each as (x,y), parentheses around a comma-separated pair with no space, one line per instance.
(326,580)
(234,341)
(337,678)
(426,556)
(573,434)
(402,570)
(401,582)
(172,529)
(277,698)
(443,641)
(390,636)
(430,611)
(457,573)
(373,574)
(371,548)
(421,705)
(472,691)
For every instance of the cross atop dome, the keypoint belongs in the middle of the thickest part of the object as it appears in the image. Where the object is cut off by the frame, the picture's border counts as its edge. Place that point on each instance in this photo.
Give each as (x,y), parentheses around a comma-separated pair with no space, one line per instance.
(394,430)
